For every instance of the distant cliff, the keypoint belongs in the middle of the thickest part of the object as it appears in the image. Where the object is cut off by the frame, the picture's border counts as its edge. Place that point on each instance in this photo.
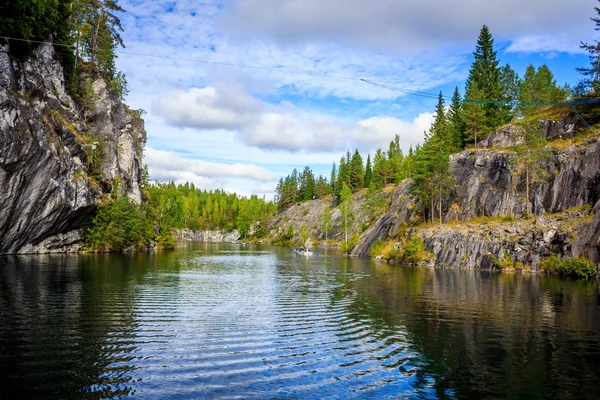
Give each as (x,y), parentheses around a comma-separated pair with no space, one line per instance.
(566,204)
(57,156)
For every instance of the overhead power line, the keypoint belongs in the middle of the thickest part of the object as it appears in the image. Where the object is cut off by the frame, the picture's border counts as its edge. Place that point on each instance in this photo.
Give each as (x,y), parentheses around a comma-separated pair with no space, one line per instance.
(246,66)
(427,95)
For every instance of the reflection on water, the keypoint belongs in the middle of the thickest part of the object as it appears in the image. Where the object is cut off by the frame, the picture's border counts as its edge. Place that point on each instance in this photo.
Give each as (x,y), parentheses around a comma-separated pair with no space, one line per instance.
(224,321)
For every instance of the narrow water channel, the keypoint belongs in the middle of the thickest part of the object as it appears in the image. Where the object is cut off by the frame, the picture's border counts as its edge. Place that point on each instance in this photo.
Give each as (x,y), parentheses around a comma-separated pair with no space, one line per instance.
(229,321)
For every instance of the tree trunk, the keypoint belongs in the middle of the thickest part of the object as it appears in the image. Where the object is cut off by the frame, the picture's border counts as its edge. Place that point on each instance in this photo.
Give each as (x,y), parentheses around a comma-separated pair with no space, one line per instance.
(95,40)
(432,210)
(440,201)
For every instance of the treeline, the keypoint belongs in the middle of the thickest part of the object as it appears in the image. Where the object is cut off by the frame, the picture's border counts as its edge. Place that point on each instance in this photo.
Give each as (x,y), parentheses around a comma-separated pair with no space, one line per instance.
(387,167)
(185,206)
(120,223)
(86,34)
(494,96)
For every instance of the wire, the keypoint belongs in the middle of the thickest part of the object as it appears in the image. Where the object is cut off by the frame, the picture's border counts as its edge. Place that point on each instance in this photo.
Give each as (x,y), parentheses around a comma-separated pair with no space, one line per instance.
(255,67)
(368,81)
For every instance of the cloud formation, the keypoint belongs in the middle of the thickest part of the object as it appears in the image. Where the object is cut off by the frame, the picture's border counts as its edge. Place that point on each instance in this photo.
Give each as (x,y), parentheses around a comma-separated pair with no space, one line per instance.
(282,126)
(167,166)
(407,25)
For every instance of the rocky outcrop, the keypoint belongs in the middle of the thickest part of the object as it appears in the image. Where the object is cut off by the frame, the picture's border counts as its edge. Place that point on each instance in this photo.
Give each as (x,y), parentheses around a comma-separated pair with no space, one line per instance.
(400,213)
(57,158)
(496,244)
(206,236)
(310,214)
(487,185)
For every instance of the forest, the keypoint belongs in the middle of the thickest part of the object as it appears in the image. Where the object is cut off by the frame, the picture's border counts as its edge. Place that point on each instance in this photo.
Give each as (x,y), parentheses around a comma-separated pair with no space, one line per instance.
(494,96)
(86,36)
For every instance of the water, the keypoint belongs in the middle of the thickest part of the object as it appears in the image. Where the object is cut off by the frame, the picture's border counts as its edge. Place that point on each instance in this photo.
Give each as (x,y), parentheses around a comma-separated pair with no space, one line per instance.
(225,321)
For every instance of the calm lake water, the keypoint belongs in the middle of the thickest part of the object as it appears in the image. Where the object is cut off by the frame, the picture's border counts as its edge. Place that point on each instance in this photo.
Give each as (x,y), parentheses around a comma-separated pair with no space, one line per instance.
(227,321)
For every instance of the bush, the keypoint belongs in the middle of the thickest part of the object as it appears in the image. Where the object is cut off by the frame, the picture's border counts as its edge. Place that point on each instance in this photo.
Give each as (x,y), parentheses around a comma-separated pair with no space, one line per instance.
(350,244)
(410,251)
(117,225)
(579,267)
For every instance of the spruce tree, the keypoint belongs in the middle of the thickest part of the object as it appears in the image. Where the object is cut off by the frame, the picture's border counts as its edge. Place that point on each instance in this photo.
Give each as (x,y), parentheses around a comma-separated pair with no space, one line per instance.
(457,125)
(368,172)
(485,80)
(590,85)
(357,172)
(474,117)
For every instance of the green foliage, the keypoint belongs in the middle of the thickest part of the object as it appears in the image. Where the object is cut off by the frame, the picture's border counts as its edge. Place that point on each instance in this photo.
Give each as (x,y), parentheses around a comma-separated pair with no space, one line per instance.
(484,82)
(346,210)
(303,234)
(374,203)
(590,84)
(457,124)
(539,86)
(348,245)
(530,157)
(185,206)
(432,176)
(411,251)
(85,31)
(579,267)
(504,263)
(118,224)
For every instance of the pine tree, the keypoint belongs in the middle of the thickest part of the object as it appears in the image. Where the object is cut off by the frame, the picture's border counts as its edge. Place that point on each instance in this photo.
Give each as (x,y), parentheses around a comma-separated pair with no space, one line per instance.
(590,85)
(509,81)
(457,125)
(333,179)
(474,117)
(357,172)
(368,172)
(485,80)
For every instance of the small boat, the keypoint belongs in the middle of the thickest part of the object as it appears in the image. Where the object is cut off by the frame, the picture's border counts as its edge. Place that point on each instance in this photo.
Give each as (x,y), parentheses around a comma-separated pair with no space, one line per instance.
(305,251)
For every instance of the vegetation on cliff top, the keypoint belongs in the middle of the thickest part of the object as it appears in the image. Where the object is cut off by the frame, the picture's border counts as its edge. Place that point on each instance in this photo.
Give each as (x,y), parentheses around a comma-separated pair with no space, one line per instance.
(86,34)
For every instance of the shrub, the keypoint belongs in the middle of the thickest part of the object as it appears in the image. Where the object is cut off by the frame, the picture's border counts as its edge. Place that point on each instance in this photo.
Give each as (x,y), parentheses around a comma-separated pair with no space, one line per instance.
(579,267)
(350,244)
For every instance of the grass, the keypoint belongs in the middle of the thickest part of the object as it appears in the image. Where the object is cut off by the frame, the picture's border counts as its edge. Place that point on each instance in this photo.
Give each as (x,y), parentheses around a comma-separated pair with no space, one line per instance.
(579,267)
(410,251)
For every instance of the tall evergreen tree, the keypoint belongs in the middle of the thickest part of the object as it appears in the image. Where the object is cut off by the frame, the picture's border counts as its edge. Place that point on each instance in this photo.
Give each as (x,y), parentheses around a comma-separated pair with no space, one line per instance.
(590,84)
(485,80)
(474,117)
(368,172)
(457,125)
(357,172)
(333,178)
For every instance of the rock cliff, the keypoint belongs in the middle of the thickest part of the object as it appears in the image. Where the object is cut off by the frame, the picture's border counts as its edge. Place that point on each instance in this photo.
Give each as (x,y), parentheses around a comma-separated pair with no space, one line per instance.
(486,185)
(57,157)
(487,188)
(207,236)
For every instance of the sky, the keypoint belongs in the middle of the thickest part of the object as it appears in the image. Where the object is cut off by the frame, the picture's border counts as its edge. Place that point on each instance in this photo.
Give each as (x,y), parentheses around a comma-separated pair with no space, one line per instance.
(238,93)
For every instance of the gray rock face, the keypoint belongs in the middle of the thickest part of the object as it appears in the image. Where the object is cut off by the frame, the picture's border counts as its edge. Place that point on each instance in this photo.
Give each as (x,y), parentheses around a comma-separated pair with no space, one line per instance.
(207,236)
(310,213)
(400,212)
(486,185)
(48,186)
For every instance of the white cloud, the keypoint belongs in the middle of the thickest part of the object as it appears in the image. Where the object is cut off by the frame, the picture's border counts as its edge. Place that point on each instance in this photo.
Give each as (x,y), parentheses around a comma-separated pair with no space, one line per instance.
(166,166)
(548,44)
(282,126)
(407,25)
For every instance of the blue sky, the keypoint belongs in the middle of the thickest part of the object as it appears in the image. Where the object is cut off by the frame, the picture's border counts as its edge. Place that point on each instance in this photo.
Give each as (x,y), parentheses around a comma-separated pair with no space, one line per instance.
(241,129)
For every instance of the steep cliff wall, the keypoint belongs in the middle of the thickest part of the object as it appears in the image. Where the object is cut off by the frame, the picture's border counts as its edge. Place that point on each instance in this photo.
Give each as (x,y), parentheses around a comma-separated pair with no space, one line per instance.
(207,236)
(51,173)
(486,185)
